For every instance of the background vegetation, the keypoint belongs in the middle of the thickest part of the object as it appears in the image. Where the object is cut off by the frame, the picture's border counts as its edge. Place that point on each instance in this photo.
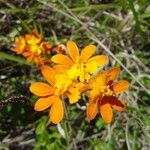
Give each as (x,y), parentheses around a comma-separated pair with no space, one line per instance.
(119,29)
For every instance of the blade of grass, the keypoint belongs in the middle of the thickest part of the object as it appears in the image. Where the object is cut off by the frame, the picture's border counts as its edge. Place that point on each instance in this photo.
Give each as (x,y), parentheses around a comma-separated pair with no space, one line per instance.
(14,58)
(144,16)
(33,10)
(24,25)
(135,14)
(95,7)
(12,10)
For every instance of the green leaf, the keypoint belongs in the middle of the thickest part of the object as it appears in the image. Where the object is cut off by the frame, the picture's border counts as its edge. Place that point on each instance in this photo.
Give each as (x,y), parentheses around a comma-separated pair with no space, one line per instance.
(13,58)
(41,126)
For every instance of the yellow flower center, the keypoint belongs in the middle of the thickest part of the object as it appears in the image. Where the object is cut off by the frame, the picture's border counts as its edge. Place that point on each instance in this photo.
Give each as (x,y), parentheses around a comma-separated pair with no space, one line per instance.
(62,83)
(100,91)
(106,91)
(82,70)
(35,49)
(34,40)
(35,45)
(66,86)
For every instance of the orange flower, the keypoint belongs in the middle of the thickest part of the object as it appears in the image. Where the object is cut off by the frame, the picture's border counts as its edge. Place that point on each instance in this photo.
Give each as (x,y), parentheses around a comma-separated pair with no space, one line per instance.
(19,45)
(80,65)
(33,47)
(102,95)
(48,97)
(51,95)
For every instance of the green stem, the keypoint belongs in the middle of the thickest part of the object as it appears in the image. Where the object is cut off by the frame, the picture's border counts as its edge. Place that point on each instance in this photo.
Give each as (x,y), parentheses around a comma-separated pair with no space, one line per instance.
(66,124)
(69,130)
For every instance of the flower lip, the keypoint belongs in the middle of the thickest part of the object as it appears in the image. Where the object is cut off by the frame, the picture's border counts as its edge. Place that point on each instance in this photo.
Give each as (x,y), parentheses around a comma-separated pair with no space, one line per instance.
(112,100)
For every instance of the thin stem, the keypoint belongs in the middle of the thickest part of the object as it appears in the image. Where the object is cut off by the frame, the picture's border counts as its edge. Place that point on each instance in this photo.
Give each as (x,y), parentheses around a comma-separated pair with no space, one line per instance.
(68,129)
(66,124)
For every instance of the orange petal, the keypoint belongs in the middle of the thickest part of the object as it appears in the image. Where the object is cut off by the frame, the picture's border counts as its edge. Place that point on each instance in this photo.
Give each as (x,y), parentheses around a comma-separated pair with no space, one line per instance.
(87,52)
(61,59)
(106,113)
(29,59)
(91,110)
(21,38)
(37,60)
(44,103)
(72,49)
(26,54)
(57,111)
(100,60)
(84,87)
(49,74)
(28,48)
(35,32)
(100,80)
(18,50)
(112,74)
(41,89)
(28,37)
(61,68)
(120,86)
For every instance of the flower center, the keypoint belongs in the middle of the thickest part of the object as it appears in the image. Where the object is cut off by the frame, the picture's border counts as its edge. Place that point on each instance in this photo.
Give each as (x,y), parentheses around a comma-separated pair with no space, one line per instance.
(34,44)
(62,83)
(106,91)
(35,49)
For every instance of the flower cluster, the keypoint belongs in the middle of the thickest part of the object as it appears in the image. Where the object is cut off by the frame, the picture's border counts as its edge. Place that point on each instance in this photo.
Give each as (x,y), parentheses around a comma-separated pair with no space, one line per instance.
(34,48)
(70,75)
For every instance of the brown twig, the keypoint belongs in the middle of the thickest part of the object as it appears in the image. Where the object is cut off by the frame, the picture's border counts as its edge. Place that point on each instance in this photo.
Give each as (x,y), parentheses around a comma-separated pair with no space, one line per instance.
(14,99)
